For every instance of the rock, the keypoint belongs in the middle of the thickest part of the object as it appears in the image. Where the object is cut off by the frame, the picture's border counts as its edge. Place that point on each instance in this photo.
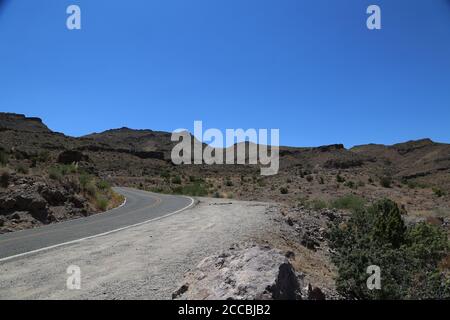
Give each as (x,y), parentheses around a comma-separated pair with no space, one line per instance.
(77,201)
(242,274)
(53,196)
(71,156)
(309,241)
(313,293)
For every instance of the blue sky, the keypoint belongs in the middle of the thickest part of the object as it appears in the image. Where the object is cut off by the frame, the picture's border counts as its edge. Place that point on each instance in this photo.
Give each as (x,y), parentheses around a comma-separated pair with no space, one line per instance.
(310,68)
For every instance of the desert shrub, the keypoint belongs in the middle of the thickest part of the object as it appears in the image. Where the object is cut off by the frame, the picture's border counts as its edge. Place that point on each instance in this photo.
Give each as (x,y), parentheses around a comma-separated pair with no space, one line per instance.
(157,189)
(59,171)
(317,204)
(54,173)
(91,189)
(438,192)
(349,202)
(84,179)
(350,184)
(321,181)
(103,185)
(284,190)
(4,158)
(340,179)
(229,183)
(194,189)
(5,177)
(261,182)
(165,175)
(386,181)
(407,256)
(22,169)
(43,156)
(176,180)
(102,203)
(288,180)
(370,180)
(309,178)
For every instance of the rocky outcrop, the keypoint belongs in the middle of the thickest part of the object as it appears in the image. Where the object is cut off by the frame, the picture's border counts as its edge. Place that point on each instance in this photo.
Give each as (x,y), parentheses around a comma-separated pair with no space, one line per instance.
(29,201)
(245,273)
(72,156)
(18,122)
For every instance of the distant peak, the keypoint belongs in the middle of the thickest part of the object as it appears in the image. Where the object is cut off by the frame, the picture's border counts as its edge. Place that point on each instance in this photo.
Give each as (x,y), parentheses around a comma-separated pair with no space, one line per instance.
(20,122)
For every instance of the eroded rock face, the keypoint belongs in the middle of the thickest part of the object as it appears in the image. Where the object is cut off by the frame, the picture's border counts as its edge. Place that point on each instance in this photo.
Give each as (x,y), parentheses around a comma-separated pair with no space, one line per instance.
(72,156)
(242,274)
(30,201)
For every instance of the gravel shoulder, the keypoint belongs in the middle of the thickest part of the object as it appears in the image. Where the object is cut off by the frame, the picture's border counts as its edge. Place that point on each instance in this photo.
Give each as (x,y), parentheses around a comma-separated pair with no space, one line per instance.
(143,262)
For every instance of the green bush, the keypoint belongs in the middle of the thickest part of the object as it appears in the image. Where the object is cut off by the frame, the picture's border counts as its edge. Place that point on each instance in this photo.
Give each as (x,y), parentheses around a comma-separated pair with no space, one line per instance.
(54,174)
(176,180)
(84,179)
(438,192)
(58,171)
(340,179)
(102,203)
(229,183)
(408,257)
(193,189)
(103,185)
(386,182)
(91,189)
(350,184)
(348,202)
(284,190)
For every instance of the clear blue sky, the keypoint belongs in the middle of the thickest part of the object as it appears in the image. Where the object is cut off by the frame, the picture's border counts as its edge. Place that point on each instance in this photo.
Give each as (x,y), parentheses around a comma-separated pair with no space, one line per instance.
(310,68)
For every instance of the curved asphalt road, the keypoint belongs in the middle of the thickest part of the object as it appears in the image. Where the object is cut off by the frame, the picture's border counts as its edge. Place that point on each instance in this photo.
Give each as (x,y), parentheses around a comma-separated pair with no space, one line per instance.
(140,207)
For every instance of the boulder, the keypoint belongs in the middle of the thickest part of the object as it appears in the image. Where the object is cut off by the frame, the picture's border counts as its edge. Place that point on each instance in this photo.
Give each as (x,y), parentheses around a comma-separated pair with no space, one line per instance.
(54,197)
(71,156)
(242,274)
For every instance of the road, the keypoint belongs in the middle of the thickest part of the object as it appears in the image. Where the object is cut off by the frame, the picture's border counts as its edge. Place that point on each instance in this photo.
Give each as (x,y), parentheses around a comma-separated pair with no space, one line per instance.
(146,261)
(140,207)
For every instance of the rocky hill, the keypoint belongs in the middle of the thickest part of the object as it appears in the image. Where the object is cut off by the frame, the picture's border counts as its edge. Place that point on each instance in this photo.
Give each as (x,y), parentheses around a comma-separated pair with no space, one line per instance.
(414,173)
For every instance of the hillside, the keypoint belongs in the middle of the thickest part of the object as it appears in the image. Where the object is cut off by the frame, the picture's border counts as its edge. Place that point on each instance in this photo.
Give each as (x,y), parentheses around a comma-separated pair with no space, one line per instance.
(414,173)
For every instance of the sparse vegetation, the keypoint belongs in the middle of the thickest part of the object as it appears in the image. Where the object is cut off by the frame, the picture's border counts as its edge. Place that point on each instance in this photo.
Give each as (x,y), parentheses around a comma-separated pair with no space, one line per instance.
(350,184)
(193,189)
(176,180)
(438,192)
(348,202)
(317,204)
(21,168)
(4,158)
(386,181)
